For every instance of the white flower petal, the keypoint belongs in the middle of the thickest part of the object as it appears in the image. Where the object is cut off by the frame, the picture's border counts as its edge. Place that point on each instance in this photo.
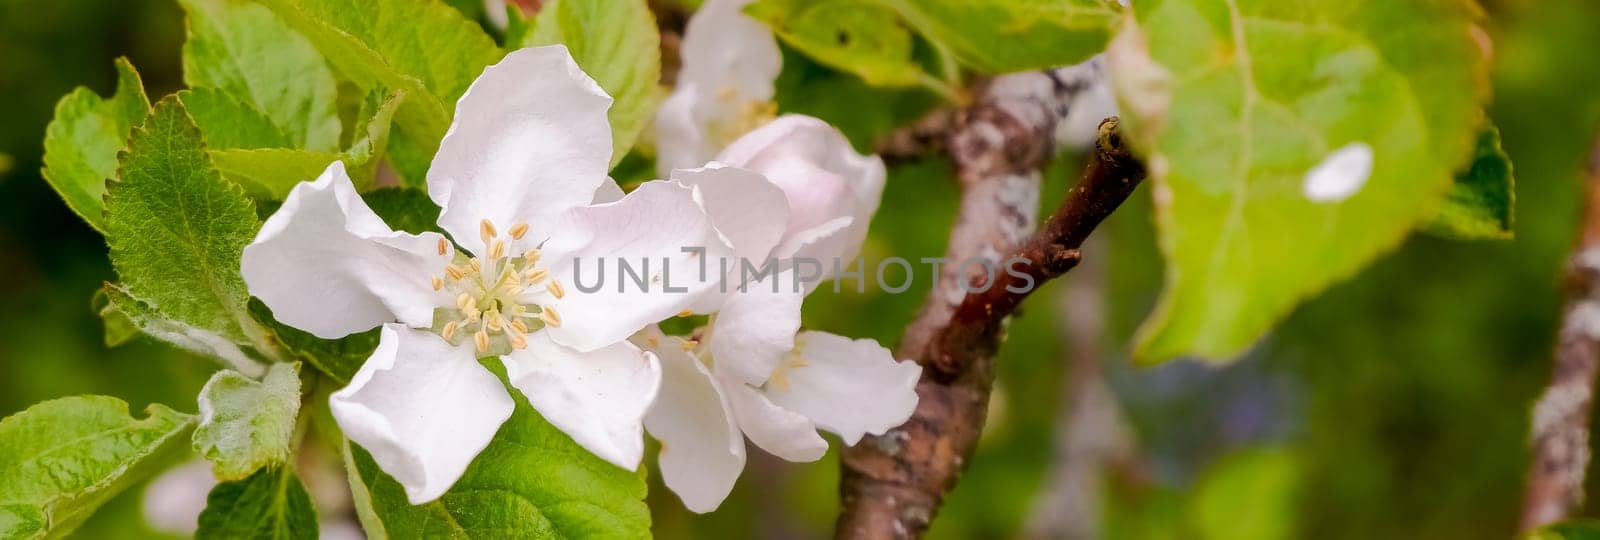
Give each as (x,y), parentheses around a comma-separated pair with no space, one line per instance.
(423,408)
(599,397)
(780,432)
(849,387)
(682,140)
(729,61)
(824,179)
(755,329)
(326,264)
(530,140)
(749,211)
(649,231)
(702,449)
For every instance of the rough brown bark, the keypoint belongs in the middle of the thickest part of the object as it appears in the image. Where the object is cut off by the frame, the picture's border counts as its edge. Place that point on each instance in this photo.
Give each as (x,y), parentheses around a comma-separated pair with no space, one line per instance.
(893,484)
(1560,428)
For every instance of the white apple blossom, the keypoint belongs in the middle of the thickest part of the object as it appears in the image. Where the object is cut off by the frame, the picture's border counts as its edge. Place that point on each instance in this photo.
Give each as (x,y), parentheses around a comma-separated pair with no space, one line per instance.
(515,176)
(724,88)
(791,189)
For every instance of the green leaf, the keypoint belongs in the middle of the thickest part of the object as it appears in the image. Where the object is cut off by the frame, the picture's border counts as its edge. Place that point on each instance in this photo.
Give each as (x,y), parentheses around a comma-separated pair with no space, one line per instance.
(532,481)
(242,49)
(146,319)
(865,39)
(245,424)
(226,122)
(337,358)
(1480,205)
(1250,495)
(270,504)
(177,230)
(270,173)
(1576,529)
(404,209)
(616,43)
(1003,36)
(61,459)
(421,47)
(119,328)
(82,141)
(1234,103)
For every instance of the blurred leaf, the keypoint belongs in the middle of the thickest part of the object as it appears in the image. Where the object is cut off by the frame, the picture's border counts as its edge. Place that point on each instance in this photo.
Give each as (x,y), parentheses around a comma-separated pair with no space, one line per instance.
(866,39)
(1480,205)
(82,141)
(272,503)
(864,113)
(422,47)
(226,122)
(1248,496)
(177,230)
(531,479)
(1577,529)
(337,358)
(119,328)
(61,459)
(616,42)
(242,49)
(1004,36)
(270,173)
(246,425)
(1242,123)
(187,337)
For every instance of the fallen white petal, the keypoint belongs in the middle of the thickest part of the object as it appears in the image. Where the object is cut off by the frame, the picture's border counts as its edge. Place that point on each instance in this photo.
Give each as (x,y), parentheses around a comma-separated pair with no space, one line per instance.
(1340,175)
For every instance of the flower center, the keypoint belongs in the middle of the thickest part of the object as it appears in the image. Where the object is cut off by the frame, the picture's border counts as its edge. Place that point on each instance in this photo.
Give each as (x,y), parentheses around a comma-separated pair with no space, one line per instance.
(750,115)
(499,298)
(796,359)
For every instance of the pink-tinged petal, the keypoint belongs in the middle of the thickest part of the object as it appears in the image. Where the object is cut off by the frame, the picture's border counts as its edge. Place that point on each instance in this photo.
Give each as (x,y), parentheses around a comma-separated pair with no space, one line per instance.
(326,264)
(730,62)
(423,408)
(598,398)
(749,211)
(702,449)
(780,432)
(824,179)
(530,141)
(849,387)
(662,236)
(755,328)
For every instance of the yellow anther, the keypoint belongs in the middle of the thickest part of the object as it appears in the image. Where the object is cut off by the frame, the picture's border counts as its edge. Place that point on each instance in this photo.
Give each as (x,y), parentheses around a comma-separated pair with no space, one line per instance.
(437,283)
(464,301)
(519,326)
(686,313)
(497,250)
(555,288)
(443,246)
(494,321)
(475,265)
(688,344)
(550,317)
(481,339)
(531,256)
(486,230)
(454,272)
(518,342)
(537,275)
(653,341)
(517,231)
(449,330)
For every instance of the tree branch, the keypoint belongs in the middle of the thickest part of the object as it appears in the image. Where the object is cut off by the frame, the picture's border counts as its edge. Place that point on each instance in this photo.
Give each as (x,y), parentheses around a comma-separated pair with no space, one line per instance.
(1561,417)
(893,484)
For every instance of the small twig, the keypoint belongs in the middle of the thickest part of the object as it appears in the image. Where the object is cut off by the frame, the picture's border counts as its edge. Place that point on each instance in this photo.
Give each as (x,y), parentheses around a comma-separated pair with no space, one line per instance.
(893,484)
(922,138)
(1561,417)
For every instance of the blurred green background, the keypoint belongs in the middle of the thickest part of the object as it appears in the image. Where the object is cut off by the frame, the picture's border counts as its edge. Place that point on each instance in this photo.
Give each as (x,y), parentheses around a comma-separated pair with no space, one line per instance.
(1393,406)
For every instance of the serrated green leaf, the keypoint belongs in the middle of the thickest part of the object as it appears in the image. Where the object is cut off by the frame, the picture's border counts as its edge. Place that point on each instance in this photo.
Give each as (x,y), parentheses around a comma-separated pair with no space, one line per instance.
(82,141)
(177,230)
(866,39)
(247,52)
(270,173)
(245,424)
(61,459)
(1576,529)
(531,482)
(1004,36)
(422,47)
(1242,100)
(271,504)
(337,358)
(197,340)
(226,122)
(1481,203)
(616,43)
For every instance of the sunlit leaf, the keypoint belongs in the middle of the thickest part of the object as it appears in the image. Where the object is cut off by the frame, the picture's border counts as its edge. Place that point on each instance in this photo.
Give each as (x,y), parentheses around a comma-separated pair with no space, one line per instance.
(246,424)
(82,141)
(271,504)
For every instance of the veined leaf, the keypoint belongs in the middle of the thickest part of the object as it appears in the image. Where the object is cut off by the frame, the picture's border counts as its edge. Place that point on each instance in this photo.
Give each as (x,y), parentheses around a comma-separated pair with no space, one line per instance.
(144,317)
(177,230)
(862,38)
(1480,206)
(272,503)
(245,424)
(1004,36)
(226,122)
(271,173)
(422,47)
(82,141)
(337,358)
(532,481)
(1290,144)
(61,459)
(247,52)
(616,42)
